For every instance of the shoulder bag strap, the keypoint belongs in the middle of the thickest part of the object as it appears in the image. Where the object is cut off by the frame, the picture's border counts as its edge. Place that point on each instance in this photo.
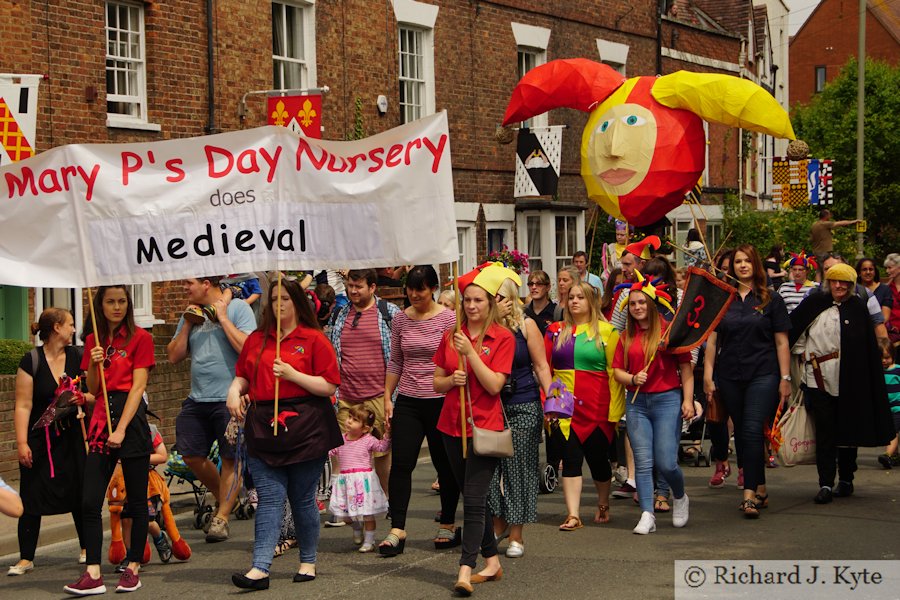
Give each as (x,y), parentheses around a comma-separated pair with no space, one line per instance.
(469,399)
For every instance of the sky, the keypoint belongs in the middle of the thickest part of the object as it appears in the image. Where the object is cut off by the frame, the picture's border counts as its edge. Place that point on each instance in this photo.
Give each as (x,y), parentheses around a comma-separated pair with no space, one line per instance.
(800,10)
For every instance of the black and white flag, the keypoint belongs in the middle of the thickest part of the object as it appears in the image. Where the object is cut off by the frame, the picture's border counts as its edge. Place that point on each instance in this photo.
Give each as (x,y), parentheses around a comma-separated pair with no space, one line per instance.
(538,154)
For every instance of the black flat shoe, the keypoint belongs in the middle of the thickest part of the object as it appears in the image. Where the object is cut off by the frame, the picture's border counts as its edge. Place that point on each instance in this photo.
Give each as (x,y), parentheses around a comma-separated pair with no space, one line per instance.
(823,497)
(303,577)
(245,583)
(843,489)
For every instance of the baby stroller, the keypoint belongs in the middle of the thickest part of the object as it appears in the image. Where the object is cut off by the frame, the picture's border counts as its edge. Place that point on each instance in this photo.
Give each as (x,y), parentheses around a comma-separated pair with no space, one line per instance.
(693,431)
(176,469)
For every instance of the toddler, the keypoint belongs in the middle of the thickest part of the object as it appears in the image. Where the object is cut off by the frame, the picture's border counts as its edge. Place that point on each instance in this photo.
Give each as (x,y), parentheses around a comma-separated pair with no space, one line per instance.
(891,458)
(356,495)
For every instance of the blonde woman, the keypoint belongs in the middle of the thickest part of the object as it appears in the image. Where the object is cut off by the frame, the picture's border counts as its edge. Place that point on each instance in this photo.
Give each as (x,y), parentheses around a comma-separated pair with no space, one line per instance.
(580,352)
(514,503)
(565,279)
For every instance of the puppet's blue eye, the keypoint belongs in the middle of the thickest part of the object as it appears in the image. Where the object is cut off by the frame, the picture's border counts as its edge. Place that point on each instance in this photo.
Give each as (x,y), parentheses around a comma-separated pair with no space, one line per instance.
(633,120)
(604,126)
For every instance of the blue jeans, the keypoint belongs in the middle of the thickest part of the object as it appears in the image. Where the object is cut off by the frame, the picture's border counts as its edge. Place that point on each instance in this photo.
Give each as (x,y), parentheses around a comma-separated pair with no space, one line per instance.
(654,428)
(750,404)
(298,482)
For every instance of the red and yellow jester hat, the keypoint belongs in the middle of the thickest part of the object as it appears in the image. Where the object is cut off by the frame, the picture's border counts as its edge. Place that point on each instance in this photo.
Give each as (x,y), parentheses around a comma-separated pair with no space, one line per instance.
(802,260)
(641,248)
(655,293)
(488,276)
(643,147)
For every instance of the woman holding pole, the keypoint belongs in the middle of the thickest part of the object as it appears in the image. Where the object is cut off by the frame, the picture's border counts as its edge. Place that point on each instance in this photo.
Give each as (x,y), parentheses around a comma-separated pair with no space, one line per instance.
(475,360)
(288,438)
(51,459)
(118,361)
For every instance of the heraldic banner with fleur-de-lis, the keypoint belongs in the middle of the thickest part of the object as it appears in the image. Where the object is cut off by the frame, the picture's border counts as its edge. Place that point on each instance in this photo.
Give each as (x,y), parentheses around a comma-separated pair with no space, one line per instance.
(300,114)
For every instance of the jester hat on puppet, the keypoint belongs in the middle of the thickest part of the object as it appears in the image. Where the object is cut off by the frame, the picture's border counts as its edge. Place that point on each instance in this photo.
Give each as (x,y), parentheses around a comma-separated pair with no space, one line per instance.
(643,147)
(560,401)
(641,248)
(801,260)
(488,276)
(656,293)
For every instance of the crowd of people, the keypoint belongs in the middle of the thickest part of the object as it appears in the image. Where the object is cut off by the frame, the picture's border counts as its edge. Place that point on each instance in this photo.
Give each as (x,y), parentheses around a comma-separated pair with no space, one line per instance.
(314,376)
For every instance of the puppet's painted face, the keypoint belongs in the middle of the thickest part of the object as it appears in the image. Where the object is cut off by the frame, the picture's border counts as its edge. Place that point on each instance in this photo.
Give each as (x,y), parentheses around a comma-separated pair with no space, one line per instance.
(621,147)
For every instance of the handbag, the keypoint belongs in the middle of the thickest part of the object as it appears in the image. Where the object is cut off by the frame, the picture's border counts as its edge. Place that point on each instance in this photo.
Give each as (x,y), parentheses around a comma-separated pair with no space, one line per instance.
(715,412)
(487,442)
(798,434)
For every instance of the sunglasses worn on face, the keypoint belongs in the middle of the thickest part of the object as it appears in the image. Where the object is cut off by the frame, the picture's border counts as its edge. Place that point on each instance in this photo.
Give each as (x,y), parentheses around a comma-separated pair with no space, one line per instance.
(536,284)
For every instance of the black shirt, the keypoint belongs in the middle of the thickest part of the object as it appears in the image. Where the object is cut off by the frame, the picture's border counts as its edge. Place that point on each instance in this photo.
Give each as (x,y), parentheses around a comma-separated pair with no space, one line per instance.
(745,338)
(543,318)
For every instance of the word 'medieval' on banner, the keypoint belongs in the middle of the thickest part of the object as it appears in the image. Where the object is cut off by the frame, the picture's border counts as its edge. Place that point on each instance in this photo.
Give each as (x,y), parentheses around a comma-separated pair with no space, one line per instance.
(538,155)
(252,200)
(796,183)
(300,113)
(18,116)
(705,302)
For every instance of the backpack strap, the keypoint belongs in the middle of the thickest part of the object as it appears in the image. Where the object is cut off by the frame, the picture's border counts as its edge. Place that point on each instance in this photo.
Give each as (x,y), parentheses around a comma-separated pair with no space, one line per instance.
(35,358)
(385,313)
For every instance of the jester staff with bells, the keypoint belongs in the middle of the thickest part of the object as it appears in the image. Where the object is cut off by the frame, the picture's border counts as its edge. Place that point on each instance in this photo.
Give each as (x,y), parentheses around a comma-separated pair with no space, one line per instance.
(643,147)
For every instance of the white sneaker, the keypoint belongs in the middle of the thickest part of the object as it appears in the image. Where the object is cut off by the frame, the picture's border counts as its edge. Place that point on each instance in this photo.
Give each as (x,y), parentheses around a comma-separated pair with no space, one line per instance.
(367,548)
(515,550)
(621,474)
(20,570)
(680,511)
(646,525)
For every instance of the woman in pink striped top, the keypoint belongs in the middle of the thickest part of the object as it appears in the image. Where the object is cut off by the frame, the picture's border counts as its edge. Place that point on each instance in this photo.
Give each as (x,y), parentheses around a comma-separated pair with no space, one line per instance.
(415,335)
(356,495)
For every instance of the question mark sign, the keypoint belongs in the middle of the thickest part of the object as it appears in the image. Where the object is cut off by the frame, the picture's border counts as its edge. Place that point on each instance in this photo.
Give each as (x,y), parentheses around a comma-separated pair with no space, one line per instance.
(693,317)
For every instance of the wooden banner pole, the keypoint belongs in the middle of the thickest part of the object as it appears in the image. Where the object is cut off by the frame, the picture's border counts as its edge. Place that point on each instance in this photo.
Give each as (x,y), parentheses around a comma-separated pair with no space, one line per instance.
(462,389)
(100,365)
(277,351)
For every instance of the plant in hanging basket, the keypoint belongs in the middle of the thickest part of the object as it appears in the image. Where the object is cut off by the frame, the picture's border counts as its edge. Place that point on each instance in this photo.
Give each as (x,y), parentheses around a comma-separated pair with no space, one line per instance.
(512,259)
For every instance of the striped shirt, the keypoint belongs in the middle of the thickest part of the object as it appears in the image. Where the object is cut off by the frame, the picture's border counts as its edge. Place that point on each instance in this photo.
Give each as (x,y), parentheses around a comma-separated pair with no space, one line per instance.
(413,344)
(892,380)
(793,294)
(356,455)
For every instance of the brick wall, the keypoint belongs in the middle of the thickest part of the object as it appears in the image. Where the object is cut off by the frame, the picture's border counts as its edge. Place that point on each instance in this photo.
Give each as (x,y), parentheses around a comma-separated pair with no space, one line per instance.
(169,386)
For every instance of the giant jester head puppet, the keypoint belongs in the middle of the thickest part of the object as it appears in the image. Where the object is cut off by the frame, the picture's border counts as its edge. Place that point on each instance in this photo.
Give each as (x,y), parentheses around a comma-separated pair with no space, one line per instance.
(643,147)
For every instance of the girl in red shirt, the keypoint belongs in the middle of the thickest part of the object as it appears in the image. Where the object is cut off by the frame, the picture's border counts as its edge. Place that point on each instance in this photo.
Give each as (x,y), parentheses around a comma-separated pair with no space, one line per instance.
(656,401)
(126,353)
(487,349)
(289,464)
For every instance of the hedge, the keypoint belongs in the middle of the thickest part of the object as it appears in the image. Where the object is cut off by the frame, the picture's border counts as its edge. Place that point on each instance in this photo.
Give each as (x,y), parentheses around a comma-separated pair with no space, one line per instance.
(11,352)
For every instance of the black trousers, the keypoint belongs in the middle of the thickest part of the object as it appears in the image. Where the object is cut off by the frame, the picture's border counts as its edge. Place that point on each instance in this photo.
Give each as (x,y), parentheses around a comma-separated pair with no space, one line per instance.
(473,475)
(97,473)
(595,449)
(30,530)
(414,420)
(824,411)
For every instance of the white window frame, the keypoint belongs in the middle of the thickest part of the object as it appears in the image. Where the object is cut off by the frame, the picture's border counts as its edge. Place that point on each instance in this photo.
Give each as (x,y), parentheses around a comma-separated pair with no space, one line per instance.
(137,118)
(499,217)
(416,18)
(466,219)
(306,11)
(548,236)
(532,41)
(142,297)
(613,54)
(73,299)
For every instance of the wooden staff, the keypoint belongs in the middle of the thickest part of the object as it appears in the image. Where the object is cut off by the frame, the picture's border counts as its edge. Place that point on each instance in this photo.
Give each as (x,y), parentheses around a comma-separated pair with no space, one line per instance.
(594,224)
(462,389)
(665,339)
(697,226)
(277,350)
(99,365)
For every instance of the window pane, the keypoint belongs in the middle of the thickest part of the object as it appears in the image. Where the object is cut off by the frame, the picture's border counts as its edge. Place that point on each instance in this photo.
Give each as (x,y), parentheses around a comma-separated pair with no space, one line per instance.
(412,73)
(496,238)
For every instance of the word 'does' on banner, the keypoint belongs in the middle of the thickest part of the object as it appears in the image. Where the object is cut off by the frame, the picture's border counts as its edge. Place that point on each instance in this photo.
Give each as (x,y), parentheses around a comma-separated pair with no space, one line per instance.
(297,113)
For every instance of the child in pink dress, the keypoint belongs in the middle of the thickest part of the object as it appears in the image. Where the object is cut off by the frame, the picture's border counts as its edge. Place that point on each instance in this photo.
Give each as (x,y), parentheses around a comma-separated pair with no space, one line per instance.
(356,495)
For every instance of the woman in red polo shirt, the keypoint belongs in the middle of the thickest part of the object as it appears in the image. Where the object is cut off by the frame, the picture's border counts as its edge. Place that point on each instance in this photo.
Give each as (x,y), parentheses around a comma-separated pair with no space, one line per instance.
(126,353)
(487,349)
(656,402)
(290,463)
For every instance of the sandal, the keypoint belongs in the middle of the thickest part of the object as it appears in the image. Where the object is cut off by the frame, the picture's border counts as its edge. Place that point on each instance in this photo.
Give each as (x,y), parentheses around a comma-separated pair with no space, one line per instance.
(284,546)
(661,505)
(750,509)
(571,524)
(602,515)
(392,545)
(436,487)
(762,501)
(448,538)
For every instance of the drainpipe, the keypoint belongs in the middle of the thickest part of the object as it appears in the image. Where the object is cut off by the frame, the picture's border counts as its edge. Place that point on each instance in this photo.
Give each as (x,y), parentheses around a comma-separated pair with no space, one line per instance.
(210,77)
(741,59)
(659,14)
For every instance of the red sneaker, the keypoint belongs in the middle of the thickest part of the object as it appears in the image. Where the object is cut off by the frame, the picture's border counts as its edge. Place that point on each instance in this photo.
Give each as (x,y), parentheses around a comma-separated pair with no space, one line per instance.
(128,582)
(86,586)
(723,470)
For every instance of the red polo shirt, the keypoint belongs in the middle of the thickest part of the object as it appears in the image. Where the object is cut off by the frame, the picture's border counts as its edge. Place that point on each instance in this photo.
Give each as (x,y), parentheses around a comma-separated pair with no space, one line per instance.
(497,352)
(662,375)
(305,349)
(124,357)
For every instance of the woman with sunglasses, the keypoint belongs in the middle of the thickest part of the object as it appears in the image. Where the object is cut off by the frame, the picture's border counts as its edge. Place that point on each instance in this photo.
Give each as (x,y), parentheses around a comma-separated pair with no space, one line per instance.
(126,354)
(541,308)
(487,351)
(289,464)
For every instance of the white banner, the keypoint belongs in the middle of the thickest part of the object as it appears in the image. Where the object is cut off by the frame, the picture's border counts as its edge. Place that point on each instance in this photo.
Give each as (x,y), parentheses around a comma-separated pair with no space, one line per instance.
(254,200)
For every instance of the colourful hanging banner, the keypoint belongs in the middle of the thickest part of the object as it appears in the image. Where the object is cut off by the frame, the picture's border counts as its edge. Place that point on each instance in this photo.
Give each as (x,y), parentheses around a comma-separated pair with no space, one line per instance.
(302,113)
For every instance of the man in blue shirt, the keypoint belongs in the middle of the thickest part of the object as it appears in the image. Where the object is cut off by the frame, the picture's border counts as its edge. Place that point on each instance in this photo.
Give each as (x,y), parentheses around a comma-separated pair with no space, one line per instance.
(579,260)
(213,346)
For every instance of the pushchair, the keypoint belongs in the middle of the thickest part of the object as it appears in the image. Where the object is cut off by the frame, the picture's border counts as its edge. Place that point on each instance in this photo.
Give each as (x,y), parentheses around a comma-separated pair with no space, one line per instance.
(693,432)
(176,469)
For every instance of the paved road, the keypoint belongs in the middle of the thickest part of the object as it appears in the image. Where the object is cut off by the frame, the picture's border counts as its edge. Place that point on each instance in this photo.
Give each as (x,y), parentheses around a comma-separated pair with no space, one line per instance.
(591,563)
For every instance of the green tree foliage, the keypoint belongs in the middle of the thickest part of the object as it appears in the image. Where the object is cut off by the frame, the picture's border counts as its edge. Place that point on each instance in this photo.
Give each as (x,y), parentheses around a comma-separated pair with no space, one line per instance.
(828,125)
